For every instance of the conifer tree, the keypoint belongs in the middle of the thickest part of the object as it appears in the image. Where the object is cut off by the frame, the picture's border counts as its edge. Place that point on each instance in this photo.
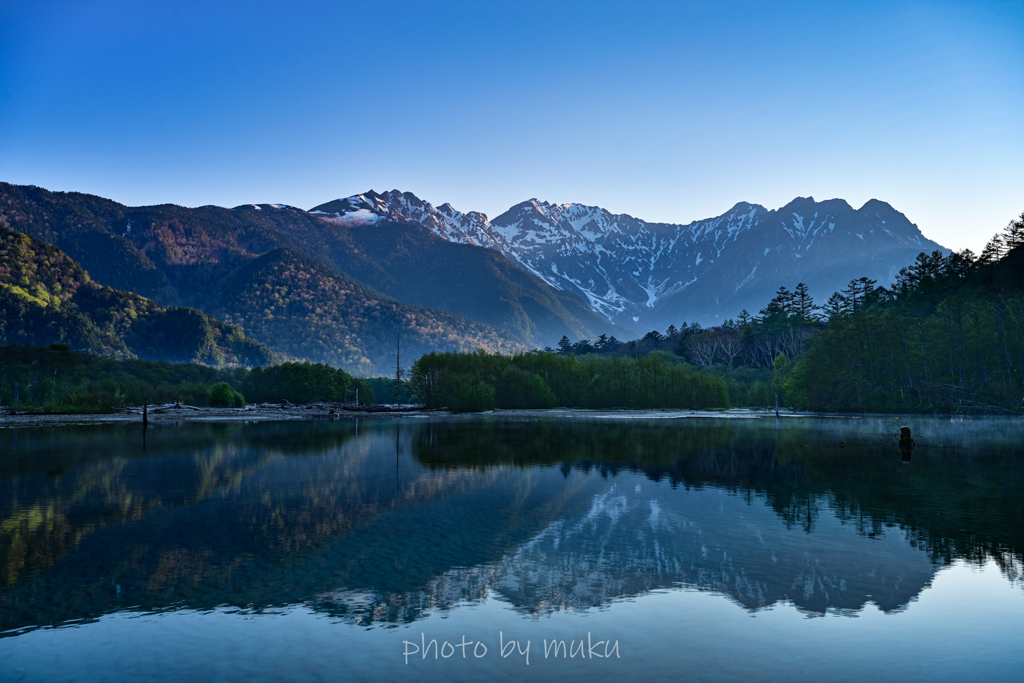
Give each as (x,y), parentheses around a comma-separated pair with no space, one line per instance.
(835,307)
(857,292)
(994,250)
(1013,234)
(582,347)
(866,289)
(803,303)
(785,299)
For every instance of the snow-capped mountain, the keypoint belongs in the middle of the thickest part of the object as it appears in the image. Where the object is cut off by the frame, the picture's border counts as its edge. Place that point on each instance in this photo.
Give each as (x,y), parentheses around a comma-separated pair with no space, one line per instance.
(648,275)
(405,207)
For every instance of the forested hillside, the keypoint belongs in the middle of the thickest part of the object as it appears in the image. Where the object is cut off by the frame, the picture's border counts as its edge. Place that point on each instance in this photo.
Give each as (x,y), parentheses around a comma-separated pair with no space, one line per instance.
(313,313)
(45,297)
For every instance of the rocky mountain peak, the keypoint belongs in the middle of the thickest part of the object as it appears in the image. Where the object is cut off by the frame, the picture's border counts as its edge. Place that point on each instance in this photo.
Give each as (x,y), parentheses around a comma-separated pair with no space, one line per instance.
(643,275)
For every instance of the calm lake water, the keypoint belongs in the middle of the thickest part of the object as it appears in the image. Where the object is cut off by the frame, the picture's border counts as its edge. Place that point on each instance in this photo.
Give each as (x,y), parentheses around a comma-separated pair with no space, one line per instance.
(695,549)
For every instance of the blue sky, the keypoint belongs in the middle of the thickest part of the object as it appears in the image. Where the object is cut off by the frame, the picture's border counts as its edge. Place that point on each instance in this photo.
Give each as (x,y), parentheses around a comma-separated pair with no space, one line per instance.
(669,111)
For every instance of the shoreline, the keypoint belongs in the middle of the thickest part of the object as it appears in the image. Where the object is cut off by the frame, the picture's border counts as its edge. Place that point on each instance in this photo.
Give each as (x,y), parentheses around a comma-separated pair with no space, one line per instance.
(171,414)
(329,412)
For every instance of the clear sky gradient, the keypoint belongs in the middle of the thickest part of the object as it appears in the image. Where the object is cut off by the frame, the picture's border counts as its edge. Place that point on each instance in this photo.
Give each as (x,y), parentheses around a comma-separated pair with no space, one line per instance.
(669,111)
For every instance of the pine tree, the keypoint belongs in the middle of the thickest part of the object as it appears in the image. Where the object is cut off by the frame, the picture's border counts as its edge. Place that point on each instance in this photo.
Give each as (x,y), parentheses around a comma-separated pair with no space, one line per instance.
(565,346)
(906,282)
(785,299)
(774,314)
(928,267)
(835,307)
(866,290)
(1013,233)
(852,296)
(959,264)
(994,250)
(803,304)
(582,347)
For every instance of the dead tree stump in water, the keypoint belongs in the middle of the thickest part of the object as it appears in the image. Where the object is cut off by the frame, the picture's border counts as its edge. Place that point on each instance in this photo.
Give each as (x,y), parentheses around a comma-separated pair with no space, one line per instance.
(907,443)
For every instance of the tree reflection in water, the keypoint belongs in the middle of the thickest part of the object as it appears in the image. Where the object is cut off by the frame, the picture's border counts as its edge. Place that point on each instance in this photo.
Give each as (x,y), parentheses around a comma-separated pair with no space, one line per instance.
(551,514)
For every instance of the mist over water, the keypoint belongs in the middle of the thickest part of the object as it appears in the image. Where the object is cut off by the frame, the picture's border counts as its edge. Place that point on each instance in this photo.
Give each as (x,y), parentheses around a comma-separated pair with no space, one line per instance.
(726,548)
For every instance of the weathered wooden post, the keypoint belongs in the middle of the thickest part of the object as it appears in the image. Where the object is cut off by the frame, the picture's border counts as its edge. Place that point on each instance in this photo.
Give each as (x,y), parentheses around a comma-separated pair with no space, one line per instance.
(907,443)
(145,412)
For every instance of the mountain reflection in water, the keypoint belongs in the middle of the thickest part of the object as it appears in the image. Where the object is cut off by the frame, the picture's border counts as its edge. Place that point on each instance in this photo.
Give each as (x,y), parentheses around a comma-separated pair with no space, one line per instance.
(558,514)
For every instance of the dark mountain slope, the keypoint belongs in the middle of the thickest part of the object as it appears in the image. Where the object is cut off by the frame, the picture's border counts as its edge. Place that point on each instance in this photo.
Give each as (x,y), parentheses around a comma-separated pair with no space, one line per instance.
(308,311)
(414,265)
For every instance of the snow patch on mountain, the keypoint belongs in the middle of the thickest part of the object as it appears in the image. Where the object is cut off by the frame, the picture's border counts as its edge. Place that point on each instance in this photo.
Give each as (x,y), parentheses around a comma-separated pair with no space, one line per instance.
(747,278)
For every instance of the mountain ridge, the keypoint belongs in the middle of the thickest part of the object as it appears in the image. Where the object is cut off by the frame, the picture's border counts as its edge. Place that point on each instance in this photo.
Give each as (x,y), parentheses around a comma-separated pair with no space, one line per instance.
(643,274)
(181,256)
(544,270)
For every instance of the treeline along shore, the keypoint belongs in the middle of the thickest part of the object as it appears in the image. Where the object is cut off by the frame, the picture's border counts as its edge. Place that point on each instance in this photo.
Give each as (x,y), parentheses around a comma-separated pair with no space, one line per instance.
(482,381)
(57,379)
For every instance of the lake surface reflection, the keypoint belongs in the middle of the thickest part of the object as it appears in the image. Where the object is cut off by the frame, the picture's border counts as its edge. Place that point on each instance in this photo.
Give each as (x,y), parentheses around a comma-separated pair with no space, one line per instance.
(328,550)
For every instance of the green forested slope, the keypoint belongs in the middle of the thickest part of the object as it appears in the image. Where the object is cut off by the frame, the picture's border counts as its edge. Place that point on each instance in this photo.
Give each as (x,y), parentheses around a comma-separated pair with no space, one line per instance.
(45,297)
